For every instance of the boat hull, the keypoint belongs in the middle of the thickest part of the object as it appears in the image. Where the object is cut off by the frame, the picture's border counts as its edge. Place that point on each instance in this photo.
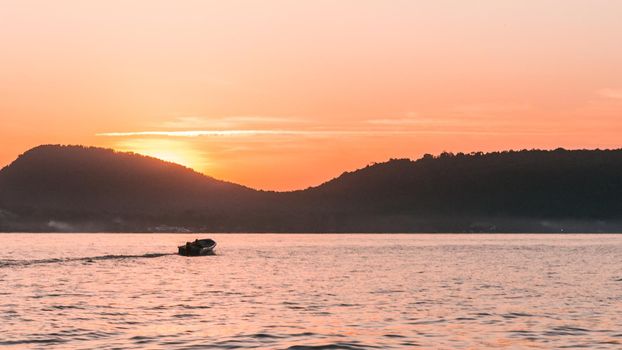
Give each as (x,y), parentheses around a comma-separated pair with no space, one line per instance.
(197,248)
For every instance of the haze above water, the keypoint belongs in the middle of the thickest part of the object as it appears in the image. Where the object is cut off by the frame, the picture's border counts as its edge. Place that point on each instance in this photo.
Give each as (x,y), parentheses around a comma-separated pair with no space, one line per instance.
(88,291)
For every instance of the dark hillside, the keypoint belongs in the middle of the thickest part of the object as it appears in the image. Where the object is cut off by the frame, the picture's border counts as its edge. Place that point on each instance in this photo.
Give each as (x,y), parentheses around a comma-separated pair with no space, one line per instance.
(551,184)
(92,184)
(501,191)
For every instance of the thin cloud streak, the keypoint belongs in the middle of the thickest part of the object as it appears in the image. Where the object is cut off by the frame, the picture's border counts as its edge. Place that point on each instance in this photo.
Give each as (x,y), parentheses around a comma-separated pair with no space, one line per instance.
(233,133)
(197,133)
(412,121)
(192,122)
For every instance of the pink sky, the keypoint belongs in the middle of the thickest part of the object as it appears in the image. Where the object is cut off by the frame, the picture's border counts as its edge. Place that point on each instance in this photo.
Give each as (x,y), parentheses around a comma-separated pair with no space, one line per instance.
(287,94)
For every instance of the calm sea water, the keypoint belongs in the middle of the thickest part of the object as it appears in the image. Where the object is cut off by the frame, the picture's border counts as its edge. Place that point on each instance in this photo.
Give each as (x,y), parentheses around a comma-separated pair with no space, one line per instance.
(101,291)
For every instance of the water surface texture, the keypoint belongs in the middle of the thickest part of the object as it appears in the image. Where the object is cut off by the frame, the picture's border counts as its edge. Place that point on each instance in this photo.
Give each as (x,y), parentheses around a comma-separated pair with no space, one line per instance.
(90,291)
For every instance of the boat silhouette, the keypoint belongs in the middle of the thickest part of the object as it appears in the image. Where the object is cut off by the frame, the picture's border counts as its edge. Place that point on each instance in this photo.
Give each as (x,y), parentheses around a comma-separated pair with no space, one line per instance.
(198,248)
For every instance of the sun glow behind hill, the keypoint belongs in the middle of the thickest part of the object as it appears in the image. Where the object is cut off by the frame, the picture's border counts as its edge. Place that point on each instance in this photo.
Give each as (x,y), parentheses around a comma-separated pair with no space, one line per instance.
(168,150)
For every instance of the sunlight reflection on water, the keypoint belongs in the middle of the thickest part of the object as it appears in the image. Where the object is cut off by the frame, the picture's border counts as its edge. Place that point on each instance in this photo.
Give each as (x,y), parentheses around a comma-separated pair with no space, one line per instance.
(311,291)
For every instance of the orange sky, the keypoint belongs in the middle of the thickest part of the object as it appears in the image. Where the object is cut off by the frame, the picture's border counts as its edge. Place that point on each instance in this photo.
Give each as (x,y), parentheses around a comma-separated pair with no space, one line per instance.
(287,94)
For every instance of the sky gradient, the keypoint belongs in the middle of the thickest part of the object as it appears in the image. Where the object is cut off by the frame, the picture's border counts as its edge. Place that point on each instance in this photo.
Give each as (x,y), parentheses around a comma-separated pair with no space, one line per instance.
(288,94)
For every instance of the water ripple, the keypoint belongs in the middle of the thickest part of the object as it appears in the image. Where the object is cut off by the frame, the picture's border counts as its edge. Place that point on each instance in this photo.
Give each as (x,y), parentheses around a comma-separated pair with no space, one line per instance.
(312,292)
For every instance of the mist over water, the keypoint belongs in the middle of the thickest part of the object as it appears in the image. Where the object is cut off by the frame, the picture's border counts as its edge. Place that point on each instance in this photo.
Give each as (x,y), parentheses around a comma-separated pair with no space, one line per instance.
(89,291)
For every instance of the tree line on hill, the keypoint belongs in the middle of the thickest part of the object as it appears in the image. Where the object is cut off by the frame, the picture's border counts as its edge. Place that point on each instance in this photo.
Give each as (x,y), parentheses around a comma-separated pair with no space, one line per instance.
(75,188)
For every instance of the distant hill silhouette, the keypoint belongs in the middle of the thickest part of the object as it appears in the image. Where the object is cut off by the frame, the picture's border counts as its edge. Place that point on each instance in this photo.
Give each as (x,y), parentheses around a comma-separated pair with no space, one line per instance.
(74,188)
(98,188)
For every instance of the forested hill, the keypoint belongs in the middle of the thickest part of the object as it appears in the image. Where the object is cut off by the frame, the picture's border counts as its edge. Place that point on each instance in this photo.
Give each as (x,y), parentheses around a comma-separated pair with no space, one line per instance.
(73,188)
(100,189)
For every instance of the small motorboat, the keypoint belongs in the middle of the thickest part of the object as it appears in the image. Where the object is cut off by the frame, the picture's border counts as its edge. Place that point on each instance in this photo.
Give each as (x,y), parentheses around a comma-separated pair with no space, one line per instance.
(198,247)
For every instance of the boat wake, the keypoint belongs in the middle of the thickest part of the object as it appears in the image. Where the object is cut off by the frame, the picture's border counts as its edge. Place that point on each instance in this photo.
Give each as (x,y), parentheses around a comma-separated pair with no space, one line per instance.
(89,259)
